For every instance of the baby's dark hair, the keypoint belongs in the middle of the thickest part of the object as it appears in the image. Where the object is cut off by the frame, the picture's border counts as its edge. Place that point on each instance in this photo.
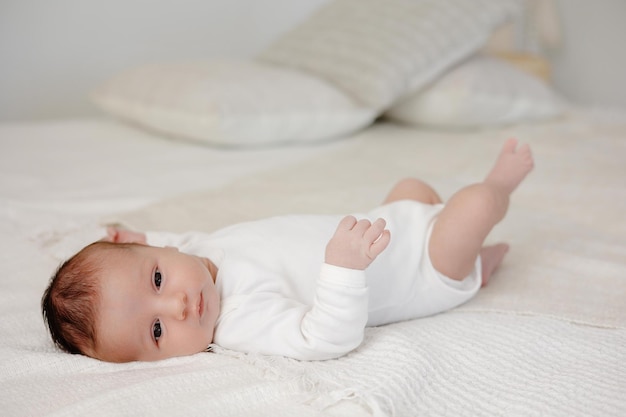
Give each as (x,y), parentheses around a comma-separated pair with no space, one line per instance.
(70,303)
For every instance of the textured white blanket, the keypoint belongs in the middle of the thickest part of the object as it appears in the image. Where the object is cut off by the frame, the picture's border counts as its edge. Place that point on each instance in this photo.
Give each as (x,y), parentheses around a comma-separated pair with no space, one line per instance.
(546,337)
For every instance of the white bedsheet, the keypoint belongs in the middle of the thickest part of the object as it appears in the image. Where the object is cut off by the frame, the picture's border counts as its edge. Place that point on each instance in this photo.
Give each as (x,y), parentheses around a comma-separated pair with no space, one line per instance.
(547,337)
(63,174)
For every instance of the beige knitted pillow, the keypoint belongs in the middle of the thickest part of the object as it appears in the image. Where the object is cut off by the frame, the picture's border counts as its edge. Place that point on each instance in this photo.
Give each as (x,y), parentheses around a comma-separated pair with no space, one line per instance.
(378,50)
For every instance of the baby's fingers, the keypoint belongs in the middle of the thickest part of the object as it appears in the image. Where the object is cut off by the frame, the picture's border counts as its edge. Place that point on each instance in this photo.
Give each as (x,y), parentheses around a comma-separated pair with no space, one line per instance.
(377,237)
(380,245)
(347,223)
(112,234)
(374,230)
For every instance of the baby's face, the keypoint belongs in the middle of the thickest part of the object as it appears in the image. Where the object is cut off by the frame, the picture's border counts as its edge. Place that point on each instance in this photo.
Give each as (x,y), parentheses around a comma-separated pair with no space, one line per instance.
(155,303)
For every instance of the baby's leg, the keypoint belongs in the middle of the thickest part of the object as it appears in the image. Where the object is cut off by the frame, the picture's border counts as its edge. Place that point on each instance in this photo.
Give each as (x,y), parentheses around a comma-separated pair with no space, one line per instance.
(491,257)
(466,220)
(413,189)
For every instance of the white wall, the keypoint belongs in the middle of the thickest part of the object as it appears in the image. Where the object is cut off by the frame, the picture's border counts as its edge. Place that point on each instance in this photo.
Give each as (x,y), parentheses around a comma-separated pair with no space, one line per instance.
(590,66)
(53,52)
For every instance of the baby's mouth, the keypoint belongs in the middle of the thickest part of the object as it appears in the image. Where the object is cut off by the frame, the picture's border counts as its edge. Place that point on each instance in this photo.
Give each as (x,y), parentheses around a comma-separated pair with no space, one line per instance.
(201,306)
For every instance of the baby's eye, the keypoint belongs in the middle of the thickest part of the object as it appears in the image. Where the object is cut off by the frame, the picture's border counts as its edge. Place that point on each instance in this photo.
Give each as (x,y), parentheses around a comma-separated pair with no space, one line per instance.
(157,279)
(156,330)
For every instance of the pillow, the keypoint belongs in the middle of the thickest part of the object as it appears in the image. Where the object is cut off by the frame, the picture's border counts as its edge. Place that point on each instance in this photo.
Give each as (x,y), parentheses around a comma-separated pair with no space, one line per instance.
(483,91)
(378,50)
(231,103)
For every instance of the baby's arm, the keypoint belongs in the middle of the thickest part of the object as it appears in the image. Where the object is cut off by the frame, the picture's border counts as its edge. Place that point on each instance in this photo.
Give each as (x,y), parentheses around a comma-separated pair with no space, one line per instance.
(356,244)
(270,323)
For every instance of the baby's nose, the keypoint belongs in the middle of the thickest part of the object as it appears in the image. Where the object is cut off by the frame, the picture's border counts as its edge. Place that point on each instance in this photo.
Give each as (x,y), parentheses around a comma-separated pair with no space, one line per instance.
(176,305)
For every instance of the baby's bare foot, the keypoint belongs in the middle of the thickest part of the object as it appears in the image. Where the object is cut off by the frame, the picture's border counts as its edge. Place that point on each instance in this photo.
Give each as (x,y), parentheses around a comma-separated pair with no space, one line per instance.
(491,257)
(512,166)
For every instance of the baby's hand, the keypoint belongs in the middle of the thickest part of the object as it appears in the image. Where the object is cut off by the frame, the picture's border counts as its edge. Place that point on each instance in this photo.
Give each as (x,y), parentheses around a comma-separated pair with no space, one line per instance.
(117,235)
(356,244)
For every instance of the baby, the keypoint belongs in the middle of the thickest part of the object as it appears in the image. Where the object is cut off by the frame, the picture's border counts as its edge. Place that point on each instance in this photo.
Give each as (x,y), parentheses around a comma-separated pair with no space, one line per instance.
(299,286)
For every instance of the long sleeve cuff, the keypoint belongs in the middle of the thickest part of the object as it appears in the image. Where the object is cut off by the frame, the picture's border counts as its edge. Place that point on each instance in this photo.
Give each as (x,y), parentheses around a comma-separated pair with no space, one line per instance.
(347,277)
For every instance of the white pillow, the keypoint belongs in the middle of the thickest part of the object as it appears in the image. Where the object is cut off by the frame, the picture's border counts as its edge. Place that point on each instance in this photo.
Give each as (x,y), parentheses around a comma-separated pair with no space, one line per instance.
(378,50)
(231,103)
(481,92)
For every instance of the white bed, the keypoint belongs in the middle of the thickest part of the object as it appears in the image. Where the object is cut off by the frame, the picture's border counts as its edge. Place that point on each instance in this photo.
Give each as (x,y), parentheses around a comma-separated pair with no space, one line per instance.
(546,337)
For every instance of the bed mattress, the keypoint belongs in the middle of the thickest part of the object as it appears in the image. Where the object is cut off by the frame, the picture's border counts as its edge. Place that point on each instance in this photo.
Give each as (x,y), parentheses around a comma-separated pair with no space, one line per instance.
(546,337)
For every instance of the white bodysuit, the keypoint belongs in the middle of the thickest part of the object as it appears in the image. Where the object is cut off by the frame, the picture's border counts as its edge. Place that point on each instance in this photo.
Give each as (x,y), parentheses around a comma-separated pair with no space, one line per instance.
(280,298)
